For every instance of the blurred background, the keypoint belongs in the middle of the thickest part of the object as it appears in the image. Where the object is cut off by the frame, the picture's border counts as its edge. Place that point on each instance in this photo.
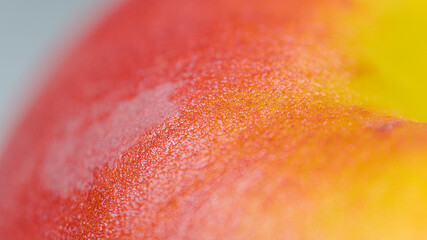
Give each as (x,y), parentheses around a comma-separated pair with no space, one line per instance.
(34,33)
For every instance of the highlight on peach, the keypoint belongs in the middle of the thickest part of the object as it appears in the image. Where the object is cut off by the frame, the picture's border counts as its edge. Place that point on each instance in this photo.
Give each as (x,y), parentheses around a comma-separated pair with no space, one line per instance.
(228,119)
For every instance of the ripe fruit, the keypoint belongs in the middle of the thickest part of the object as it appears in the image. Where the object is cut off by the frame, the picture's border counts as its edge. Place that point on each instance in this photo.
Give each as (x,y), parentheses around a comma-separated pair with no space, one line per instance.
(212,120)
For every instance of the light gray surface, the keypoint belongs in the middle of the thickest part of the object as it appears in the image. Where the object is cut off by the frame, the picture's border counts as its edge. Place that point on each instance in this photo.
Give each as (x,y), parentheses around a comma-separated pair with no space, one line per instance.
(29,30)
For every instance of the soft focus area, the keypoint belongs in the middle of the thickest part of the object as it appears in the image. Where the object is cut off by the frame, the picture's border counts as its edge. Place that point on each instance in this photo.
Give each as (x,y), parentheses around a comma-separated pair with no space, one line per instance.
(216,119)
(31,33)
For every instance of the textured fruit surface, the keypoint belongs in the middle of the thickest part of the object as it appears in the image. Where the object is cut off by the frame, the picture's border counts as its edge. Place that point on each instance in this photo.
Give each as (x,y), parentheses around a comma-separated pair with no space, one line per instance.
(214,120)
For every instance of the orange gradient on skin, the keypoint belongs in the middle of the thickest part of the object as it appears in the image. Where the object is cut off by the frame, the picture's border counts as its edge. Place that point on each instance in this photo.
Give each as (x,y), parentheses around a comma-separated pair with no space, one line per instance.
(211,120)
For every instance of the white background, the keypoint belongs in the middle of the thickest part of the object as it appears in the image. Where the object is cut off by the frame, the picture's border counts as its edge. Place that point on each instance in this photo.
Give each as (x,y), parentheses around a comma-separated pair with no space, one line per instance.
(32,33)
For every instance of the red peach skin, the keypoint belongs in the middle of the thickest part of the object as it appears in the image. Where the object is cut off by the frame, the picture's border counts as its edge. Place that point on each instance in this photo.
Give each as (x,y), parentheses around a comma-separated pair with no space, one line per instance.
(189,119)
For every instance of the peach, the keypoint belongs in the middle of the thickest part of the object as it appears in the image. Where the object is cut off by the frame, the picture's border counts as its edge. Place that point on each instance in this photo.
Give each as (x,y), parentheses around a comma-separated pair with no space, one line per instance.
(213,120)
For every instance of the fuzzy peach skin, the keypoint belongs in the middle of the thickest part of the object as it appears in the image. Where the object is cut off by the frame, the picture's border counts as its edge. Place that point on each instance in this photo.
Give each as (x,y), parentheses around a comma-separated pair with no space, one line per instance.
(225,119)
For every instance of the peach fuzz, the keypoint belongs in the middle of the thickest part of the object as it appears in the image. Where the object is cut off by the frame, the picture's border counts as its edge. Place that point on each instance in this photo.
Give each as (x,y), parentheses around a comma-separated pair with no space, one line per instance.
(213,120)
